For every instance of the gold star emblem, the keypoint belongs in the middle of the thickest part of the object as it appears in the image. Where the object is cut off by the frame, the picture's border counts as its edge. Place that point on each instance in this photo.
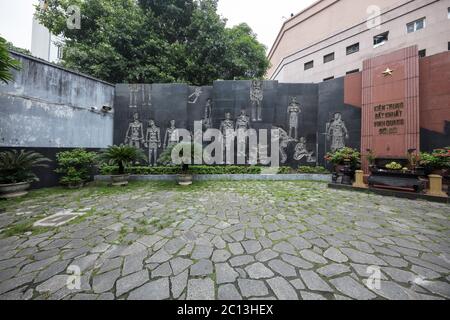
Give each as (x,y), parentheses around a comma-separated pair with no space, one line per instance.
(388,72)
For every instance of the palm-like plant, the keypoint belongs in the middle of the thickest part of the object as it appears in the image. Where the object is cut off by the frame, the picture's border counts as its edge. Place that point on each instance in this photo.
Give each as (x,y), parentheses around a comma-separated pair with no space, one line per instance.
(6,63)
(121,156)
(16,166)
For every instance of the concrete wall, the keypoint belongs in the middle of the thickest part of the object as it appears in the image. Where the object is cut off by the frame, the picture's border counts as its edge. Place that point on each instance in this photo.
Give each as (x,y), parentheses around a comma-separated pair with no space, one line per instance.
(330,26)
(50,107)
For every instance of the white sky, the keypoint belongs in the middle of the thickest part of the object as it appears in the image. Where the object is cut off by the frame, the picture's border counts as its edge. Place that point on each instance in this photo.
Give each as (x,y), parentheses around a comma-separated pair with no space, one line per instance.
(265,17)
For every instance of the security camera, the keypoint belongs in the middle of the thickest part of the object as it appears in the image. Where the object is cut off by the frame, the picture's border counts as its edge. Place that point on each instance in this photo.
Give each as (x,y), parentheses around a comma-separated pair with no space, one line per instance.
(106,109)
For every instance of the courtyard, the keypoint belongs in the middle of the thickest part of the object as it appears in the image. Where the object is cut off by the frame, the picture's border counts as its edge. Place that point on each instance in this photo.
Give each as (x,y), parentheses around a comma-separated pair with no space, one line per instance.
(224,240)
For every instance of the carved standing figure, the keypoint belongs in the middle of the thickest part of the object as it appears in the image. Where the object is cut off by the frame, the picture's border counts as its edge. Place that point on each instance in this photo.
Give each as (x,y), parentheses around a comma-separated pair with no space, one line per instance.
(337,132)
(242,125)
(284,140)
(147,95)
(301,152)
(293,112)
(153,141)
(135,133)
(256,98)
(207,119)
(227,130)
(172,136)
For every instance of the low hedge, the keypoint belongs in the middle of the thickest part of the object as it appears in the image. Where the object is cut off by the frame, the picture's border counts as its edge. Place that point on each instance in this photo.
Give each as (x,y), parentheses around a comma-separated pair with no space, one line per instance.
(168,170)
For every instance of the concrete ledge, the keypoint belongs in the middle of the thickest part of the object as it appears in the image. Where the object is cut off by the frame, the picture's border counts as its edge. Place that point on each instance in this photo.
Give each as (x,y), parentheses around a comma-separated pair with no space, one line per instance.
(231,177)
(392,193)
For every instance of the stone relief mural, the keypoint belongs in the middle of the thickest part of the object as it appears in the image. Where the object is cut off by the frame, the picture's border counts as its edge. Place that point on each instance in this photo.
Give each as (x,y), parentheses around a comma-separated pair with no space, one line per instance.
(148,116)
(337,132)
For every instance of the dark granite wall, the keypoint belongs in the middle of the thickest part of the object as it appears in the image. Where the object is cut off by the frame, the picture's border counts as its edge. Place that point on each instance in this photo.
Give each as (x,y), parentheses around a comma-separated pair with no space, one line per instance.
(318,104)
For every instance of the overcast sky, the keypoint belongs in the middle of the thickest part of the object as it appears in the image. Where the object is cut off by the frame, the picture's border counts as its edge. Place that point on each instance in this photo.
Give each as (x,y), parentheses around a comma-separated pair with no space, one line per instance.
(265,17)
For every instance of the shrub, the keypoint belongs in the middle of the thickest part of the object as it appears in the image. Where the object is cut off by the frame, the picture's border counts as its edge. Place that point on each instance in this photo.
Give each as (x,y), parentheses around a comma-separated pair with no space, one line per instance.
(285,170)
(200,169)
(121,156)
(344,155)
(75,165)
(438,159)
(16,166)
(313,170)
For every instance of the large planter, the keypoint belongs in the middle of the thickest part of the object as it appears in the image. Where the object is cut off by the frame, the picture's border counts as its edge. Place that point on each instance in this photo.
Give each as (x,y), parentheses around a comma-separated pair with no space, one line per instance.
(120,180)
(185,179)
(14,190)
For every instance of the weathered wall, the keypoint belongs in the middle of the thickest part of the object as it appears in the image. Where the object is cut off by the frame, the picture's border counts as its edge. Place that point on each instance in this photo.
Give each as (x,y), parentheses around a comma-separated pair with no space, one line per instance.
(51,107)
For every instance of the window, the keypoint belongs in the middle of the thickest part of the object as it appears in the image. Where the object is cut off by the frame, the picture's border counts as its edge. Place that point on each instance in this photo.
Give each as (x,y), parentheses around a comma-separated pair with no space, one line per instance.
(352,71)
(309,65)
(380,39)
(328,79)
(353,48)
(422,53)
(60,52)
(415,25)
(328,57)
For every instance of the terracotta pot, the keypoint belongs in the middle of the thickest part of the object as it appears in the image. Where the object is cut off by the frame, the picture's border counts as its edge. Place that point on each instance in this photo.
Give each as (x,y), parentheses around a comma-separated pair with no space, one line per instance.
(185,179)
(120,180)
(14,190)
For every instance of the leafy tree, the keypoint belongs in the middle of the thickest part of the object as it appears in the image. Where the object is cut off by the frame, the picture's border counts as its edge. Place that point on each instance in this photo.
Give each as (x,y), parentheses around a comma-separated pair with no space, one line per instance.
(6,62)
(155,41)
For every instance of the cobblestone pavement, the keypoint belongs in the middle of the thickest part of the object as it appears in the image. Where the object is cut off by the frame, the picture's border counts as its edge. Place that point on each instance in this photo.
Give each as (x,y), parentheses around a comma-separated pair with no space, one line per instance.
(225,240)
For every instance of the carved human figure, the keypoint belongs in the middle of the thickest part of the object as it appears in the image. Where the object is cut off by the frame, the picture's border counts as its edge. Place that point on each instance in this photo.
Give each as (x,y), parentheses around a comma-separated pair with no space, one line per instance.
(146,96)
(172,136)
(227,130)
(133,95)
(153,141)
(195,95)
(207,119)
(301,151)
(284,140)
(337,132)
(256,98)
(293,112)
(135,133)
(242,125)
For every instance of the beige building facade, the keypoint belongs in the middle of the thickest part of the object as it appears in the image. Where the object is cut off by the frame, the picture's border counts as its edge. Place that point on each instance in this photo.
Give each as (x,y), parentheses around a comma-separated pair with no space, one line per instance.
(332,38)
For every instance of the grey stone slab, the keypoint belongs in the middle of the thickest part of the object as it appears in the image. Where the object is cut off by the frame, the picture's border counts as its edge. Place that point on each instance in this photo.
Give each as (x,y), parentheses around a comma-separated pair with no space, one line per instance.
(251,246)
(200,289)
(179,284)
(228,292)
(281,267)
(202,268)
(159,257)
(225,273)
(282,289)
(130,282)
(202,252)
(252,288)
(333,269)
(362,257)
(258,271)
(241,260)
(220,256)
(284,247)
(236,248)
(154,290)
(16,282)
(296,261)
(311,296)
(335,255)
(313,256)
(163,270)
(105,282)
(314,282)
(266,255)
(350,287)
(180,264)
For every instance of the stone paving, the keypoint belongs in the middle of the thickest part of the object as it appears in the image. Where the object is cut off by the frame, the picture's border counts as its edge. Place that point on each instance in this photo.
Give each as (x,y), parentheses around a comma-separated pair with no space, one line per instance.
(225,240)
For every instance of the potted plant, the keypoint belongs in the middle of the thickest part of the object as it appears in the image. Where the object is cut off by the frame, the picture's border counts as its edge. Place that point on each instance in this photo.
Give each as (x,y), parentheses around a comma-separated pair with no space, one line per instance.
(76,166)
(16,174)
(437,162)
(120,157)
(346,161)
(185,154)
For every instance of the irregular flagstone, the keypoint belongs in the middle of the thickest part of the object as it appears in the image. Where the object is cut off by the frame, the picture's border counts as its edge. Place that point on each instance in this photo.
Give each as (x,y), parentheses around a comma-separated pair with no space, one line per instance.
(179,283)
(200,289)
(133,263)
(53,284)
(228,292)
(241,260)
(266,255)
(349,287)
(236,248)
(202,268)
(399,275)
(202,252)
(282,289)
(311,296)
(284,247)
(225,274)
(127,283)
(313,281)
(159,257)
(362,257)
(335,255)
(252,288)
(220,256)
(251,246)
(164,270)
(51,270)
(154,290)
(174,245)
(105,282)
(425,273)
(281,267)
(313,256)
(180,264)
(296,261)
(334,269)
(16,282)
(258,271)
